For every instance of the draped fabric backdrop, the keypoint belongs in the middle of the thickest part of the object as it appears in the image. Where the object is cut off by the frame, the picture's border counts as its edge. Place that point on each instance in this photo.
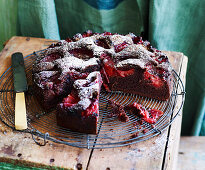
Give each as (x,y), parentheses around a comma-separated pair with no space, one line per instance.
(176,25)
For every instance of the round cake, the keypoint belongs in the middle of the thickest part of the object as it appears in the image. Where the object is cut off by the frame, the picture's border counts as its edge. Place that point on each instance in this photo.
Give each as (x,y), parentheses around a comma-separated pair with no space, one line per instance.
(68,75)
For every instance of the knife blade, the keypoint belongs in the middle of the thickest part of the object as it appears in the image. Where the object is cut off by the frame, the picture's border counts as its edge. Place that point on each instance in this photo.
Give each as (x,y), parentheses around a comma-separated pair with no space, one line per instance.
(20,86)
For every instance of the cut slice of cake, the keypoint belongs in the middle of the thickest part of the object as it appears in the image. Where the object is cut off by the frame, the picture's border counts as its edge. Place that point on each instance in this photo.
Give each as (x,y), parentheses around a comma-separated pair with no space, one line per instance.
(79,111)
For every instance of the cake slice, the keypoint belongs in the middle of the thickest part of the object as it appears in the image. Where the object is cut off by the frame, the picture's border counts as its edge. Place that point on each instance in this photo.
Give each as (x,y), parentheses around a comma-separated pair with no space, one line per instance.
(79,111)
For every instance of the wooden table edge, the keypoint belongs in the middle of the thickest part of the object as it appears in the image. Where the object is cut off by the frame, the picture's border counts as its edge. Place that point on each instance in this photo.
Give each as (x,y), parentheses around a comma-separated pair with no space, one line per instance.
(166,161)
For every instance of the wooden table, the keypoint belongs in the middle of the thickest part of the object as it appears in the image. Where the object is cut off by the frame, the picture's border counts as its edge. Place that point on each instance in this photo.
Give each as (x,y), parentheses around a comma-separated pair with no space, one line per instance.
(159,152)
(191,153)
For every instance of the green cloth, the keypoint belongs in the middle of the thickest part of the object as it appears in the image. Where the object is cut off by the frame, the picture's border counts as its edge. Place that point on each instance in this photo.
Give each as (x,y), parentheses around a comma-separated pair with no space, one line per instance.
(176,25)
(38,18)
(8,20)
(8,166)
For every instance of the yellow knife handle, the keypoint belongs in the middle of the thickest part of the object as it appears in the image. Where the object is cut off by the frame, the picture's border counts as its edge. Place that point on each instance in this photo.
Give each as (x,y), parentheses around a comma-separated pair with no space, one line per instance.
(20,112)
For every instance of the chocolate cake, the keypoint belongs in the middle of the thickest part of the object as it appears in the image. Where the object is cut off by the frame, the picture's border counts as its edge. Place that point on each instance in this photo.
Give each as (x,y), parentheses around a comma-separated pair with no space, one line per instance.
(69,75)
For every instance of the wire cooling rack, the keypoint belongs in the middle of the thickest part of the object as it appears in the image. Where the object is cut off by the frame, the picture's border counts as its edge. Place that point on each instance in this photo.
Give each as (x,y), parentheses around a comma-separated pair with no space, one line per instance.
(111,131)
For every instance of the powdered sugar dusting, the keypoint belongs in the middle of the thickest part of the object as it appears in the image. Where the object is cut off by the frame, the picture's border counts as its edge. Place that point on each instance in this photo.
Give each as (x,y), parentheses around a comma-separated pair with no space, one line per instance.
(134,51)
(88,88)
(130,62)
(119,39)
(69,63)
(43,66)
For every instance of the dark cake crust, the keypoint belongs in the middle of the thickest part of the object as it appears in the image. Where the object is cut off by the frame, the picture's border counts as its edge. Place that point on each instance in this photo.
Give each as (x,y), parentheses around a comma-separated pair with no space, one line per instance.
(73,119)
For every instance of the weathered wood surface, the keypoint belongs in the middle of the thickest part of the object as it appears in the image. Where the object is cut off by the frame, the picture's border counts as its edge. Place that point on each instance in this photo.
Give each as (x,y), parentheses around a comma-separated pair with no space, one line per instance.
(191,153)
(174,134)
(156,153)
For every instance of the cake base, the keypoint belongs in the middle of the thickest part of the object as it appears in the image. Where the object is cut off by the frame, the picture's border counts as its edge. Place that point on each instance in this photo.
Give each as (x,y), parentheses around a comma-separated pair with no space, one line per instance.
(72,119)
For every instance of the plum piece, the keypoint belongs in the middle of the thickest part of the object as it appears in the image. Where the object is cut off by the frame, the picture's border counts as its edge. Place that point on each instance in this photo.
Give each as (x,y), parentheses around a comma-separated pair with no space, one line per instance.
(149,116)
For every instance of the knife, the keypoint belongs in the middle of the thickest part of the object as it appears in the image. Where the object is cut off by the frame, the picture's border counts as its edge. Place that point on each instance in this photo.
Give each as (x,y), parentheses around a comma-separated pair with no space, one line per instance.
(20,86)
